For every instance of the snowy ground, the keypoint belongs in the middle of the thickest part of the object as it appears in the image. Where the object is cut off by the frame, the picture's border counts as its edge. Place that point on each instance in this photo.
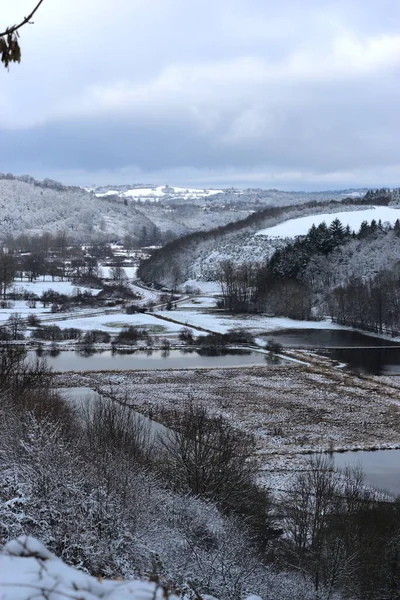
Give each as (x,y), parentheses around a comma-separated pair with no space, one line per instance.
(221,322)
(130,272)
(198,302)
(39,286)
(112,323)
(353,218)
(21,307)
(28,570)
(212,288)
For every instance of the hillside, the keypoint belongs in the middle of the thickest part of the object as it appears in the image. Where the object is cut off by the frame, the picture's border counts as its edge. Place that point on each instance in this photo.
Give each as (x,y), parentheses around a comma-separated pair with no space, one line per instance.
(197,256)
(27,207)
(150,214)
(31,207)
(257,197)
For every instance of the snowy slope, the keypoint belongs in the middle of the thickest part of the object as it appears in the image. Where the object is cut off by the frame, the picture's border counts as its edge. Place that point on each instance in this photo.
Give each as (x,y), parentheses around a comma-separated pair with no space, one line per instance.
(27,207)
(28,570)
(354,218)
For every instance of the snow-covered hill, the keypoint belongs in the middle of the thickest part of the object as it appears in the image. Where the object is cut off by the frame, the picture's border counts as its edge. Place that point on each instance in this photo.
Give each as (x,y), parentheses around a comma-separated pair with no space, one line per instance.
(32,208)
(252,197)
(353,219)
(156,193)
(144,211)
(253,240)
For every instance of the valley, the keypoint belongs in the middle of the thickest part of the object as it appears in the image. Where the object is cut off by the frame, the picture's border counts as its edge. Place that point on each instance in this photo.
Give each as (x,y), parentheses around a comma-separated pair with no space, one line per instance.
(138,341)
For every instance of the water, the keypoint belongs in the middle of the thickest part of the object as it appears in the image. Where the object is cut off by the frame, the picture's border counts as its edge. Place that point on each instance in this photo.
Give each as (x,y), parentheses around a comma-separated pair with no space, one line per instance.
(362,353)
(83,398)
(326,338)
(372,361)
(381,467)
(175,359)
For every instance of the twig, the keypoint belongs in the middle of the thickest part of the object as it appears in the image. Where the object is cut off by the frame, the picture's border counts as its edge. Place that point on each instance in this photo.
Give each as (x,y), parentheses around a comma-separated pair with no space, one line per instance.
(24,22)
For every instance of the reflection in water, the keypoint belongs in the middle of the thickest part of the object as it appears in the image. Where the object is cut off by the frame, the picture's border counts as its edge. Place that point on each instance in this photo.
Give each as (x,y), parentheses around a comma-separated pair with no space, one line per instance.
(94,409)
(157,359)
(373,361)
(221,351)
(363,353)
(54,350)
(381,467)
(327,338)
(86,351)
(272,359)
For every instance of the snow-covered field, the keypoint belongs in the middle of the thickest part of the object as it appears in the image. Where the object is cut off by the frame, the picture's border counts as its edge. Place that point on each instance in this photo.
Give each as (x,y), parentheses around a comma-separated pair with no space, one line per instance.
(198,302)
(204,287)
(221,323)
(21,307)
(156,193)
(112,323)
(39,286)
(353,218)
(292,409)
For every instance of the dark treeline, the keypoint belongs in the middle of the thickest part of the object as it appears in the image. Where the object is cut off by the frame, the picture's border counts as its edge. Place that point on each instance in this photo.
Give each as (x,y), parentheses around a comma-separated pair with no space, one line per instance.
(373,304)
(279,285)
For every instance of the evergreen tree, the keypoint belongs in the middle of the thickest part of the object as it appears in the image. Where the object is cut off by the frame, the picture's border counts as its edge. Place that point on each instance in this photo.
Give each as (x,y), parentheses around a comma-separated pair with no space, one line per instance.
(337,231)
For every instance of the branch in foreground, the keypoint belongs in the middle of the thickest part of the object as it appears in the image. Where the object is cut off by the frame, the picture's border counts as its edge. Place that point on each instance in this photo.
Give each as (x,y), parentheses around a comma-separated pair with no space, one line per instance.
(9,47)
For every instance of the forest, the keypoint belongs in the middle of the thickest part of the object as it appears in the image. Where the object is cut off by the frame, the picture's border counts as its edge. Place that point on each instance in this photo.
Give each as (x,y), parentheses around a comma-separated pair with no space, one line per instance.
(322,274)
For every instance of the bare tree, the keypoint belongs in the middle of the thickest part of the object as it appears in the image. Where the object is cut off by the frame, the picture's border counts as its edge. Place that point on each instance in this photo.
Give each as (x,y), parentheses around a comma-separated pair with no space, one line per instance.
(208,457)
(16,325)
(7,271)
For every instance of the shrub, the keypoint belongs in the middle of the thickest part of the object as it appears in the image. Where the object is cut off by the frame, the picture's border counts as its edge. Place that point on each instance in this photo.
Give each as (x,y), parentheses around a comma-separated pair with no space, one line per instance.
(72,333)
(273,346)
(239,336)
(6,304)
(33,320)
(165,344)
(48,332)
(208,457)
(186,335)
(135,308)
(96,336)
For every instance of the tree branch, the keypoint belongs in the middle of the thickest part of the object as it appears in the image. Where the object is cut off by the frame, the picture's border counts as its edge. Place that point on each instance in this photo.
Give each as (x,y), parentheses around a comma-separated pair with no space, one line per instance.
(24,22)
(10,50)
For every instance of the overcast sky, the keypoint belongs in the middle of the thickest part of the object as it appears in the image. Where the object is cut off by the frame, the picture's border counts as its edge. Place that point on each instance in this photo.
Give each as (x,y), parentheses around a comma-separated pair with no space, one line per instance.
(249,93)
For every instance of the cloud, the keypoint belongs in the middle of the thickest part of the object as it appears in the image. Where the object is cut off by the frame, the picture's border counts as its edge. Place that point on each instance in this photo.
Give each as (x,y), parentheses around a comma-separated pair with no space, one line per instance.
(233,90)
